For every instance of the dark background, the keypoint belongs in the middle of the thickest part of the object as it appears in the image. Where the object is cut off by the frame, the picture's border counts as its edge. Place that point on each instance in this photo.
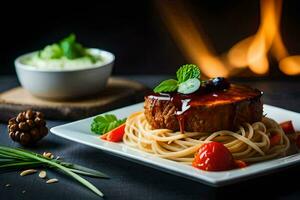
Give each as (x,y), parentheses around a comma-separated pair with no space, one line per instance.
(135,33)
(132,30)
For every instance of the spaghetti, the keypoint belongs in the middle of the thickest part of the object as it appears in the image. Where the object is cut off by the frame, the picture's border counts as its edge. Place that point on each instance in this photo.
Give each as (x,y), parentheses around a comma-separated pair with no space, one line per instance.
(250,143)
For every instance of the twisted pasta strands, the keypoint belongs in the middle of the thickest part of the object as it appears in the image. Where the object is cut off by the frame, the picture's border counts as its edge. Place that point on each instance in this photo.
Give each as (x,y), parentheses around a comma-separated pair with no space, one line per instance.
(250,143)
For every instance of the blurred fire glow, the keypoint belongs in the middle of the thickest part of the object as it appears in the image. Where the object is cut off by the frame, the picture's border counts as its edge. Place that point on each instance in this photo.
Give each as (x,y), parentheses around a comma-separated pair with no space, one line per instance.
(252,52)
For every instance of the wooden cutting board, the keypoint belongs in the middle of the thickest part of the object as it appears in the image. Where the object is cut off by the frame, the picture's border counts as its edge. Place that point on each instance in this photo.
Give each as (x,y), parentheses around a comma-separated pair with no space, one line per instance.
(119,92)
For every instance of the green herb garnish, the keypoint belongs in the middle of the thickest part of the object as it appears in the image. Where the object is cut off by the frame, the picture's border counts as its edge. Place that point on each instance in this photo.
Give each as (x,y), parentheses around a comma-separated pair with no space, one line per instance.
(170,85)
(70,48)
(51,52)
(187,72)
(67,47)
(14,158)
(105,123)
(186,83)
(189,86)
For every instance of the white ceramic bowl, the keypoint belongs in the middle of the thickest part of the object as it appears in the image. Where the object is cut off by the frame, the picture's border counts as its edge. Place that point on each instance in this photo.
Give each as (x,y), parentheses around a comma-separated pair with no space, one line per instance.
(65,84)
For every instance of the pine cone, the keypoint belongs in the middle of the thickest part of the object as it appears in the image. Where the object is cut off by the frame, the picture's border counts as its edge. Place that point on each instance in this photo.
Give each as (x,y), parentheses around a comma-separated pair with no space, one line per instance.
(27,128)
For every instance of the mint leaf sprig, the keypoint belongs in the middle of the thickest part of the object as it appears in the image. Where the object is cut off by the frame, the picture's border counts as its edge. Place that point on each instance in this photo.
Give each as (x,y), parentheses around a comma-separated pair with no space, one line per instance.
(170,85)
(187,72)
(105,123)
(188,81)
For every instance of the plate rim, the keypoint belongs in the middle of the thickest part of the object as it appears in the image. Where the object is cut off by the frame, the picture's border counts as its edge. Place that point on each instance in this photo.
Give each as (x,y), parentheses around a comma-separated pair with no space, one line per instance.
(159,162)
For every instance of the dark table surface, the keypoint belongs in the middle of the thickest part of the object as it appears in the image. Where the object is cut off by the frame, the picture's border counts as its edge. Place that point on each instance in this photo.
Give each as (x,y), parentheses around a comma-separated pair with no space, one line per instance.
(134,181)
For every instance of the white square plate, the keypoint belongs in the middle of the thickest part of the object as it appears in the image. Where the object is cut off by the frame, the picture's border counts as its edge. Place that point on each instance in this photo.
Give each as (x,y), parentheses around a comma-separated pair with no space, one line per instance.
(79,131)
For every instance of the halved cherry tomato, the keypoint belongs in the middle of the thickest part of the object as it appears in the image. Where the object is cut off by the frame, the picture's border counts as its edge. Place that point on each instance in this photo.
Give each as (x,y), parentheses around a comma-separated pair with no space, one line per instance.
(240,164)
(115,135)
(213,156)
(287,127)
(275,139)
(103,137)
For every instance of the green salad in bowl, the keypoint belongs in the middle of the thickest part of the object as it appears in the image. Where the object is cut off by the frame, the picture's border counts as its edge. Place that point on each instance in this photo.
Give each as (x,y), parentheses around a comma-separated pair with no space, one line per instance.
(64,70)
(63,55)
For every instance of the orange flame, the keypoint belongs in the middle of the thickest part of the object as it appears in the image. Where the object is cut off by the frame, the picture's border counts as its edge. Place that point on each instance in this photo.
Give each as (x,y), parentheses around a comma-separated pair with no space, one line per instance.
(251,52)
(254,49)
(290,65)
(190,39)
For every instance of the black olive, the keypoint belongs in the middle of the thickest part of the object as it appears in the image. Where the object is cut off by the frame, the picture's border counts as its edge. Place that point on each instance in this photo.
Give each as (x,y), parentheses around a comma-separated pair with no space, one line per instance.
(220,83)
(214,84)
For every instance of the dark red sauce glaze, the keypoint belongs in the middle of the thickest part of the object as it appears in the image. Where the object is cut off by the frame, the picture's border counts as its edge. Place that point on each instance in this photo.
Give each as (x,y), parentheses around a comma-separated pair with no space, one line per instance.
(202,97)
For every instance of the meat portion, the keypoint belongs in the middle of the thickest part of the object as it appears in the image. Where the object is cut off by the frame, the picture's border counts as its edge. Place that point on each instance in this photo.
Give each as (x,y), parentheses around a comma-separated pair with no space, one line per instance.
(210,112)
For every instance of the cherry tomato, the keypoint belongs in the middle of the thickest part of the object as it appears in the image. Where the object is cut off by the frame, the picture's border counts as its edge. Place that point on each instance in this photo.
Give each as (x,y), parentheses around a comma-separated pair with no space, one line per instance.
(275,139)
(213,156)
(115,135)
(287,127)
(240,164)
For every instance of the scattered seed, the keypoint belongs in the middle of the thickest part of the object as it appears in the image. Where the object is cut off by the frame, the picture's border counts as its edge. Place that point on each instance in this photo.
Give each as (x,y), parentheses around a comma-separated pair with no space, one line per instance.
(23,191)
(42,174)
(53,180)
(27,172)
(8,185)
(48,155)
